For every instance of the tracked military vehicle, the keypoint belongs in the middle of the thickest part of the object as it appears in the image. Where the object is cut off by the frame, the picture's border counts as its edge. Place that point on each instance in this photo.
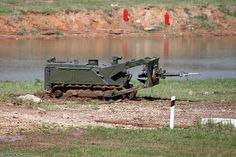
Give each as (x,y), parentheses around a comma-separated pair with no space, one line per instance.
(97,80)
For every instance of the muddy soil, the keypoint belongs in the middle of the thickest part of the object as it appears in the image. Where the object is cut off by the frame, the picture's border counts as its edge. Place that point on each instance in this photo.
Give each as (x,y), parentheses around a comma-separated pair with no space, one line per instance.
(83,113)
(184,21)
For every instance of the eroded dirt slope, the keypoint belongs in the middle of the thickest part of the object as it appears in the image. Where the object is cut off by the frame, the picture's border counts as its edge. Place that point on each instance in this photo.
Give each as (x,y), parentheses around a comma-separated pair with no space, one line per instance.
(189,20)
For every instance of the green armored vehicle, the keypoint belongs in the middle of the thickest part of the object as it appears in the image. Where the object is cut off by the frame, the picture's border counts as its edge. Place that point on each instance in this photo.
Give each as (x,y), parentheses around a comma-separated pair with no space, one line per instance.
(97,80)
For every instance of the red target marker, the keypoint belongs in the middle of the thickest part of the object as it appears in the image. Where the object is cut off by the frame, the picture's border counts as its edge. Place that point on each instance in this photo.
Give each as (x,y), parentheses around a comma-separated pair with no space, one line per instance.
(167,19)
(126,15)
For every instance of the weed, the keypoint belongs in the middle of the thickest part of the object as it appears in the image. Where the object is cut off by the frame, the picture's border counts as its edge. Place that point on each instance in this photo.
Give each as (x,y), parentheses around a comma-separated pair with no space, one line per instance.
(45,128)
(218,126)
(201,18)
(186,10)
(210,125)
(109,12)
(170,10)
(226,11)
(38,82)
(59,33)
(5,11)
(162,26)
(197,123)
(22,31)
(34,31)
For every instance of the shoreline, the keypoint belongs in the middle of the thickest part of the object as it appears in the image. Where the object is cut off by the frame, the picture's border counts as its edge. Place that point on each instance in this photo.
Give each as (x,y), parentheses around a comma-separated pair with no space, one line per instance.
(159,35)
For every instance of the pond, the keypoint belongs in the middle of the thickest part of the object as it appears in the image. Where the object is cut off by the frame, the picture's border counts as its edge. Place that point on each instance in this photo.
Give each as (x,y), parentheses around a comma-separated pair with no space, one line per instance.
(213,57)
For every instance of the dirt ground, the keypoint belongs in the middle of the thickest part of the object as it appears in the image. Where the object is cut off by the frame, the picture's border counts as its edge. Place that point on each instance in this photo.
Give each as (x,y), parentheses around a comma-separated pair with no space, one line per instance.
(184,21)
(80,113)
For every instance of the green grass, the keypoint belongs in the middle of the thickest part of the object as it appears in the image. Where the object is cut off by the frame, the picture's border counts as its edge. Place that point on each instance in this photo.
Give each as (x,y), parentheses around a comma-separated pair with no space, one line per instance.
(10,89)
(211,90)
(202,20)
(51,6)
(225,10)
(198,141)
(20,87)
(209,140)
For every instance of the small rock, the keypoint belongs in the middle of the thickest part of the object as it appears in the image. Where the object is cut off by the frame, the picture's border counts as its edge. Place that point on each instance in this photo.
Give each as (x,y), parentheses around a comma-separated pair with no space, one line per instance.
(30,98)
(151,28)
(15,115)
(116,31)
(9,104)
(114,5)
(65,116)
(41,111)
(190,92)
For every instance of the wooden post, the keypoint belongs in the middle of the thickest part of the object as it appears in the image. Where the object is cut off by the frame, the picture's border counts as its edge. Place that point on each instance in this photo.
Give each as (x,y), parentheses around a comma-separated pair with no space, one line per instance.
(172,112)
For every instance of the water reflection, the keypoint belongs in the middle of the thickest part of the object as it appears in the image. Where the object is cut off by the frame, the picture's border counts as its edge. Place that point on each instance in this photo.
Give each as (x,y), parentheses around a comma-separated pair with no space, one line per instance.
(166,49)
(124,53)
(213,57)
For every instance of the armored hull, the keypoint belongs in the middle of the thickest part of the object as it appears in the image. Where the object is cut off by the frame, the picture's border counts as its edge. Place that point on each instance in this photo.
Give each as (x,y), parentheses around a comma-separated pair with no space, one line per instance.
(100,80)
(89,80)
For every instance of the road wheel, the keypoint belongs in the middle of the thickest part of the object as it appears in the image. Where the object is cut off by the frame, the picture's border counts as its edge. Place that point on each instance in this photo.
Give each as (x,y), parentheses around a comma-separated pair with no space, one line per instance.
(57,93)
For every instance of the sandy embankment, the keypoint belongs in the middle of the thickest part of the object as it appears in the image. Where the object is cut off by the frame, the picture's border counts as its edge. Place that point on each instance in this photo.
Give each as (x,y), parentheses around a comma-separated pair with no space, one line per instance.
(185,21)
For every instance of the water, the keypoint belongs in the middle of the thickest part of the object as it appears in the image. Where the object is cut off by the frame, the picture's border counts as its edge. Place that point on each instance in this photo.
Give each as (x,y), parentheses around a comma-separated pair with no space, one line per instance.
(212,57)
